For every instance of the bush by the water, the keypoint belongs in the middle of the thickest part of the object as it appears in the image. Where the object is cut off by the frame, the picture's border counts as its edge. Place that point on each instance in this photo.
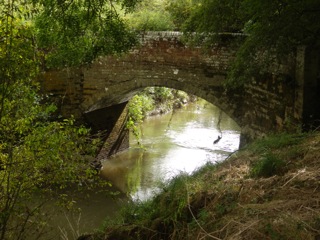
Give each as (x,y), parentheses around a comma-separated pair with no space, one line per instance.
(267,166)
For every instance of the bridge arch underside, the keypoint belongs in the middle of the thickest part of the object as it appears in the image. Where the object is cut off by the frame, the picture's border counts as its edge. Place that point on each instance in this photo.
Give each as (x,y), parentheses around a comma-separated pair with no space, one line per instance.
(208,88)
(278,100)
(214,97)
(108,111)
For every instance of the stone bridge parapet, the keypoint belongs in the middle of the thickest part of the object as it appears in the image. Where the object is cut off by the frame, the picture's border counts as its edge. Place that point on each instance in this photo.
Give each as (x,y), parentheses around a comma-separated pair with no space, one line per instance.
(163,59)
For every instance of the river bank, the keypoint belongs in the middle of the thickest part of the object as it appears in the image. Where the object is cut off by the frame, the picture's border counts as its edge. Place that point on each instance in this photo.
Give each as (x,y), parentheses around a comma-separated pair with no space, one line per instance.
(181,141)
(270,190)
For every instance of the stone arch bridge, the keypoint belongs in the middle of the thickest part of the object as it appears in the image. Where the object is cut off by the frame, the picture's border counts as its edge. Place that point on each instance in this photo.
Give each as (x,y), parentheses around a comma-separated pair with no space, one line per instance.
(98,93)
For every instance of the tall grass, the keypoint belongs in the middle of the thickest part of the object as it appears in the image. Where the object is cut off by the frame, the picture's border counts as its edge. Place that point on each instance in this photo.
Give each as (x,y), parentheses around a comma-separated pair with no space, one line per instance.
(276,141)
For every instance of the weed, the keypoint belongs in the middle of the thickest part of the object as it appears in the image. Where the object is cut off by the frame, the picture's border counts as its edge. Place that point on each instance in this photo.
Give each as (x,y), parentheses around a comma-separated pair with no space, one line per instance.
(203,215)
(272,233)
(209,167)
(218,202)
(268,166)
(276,141)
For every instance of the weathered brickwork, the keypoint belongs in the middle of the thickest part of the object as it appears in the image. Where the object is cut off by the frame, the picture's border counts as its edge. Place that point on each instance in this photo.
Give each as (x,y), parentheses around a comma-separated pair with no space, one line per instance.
(162,59)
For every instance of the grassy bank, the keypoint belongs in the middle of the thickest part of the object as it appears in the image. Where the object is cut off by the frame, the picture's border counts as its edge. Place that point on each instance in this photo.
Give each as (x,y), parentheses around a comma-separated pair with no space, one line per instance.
(270,190)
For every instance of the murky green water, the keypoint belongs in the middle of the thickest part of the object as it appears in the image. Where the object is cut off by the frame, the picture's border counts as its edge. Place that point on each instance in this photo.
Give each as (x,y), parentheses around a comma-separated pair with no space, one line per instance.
(172,143)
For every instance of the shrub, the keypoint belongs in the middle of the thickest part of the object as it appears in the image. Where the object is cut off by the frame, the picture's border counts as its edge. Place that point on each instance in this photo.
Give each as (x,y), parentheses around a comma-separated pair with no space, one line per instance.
(267,166)
(154,20)
(138,107)
(276,141)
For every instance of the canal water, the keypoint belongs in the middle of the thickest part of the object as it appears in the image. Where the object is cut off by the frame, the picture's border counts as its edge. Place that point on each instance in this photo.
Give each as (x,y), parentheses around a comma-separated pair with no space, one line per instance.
(181,141)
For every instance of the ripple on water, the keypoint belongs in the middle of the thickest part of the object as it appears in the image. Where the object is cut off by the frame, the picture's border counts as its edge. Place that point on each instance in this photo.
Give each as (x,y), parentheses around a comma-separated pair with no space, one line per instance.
(177,143)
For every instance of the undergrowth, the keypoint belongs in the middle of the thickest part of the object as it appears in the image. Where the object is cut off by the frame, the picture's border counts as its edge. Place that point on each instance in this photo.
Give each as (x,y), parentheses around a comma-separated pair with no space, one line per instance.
(268,191)
(277,141)
(275,153)
(267,166)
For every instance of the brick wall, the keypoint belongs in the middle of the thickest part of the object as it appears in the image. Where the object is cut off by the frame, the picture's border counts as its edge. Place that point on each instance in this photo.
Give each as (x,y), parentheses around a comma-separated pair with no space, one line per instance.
(270,103)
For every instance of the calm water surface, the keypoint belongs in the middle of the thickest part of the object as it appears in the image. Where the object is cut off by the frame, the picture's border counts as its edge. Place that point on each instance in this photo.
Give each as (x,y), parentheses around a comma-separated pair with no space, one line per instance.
(172,143)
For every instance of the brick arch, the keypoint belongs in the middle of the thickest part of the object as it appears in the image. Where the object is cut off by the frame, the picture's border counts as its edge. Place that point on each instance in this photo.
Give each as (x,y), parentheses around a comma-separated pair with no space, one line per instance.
(129,91)
(112,118)
(163,59)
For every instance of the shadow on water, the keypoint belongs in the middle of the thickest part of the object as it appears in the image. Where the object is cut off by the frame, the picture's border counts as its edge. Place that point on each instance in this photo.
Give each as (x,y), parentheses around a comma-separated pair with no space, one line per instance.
(83,214)
(172,143)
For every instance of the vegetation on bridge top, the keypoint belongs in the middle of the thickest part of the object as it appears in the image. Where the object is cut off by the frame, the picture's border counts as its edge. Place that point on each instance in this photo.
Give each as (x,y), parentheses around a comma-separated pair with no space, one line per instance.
(274,28)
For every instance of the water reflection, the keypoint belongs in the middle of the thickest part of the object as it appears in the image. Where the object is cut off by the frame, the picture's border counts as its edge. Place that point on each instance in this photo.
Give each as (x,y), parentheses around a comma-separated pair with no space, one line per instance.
(173,143)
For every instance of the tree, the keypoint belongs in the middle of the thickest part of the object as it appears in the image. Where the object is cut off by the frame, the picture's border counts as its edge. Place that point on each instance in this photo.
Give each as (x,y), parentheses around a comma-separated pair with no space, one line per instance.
(273,28)
(150,15)
(181,10)
(76,32)
(37,154)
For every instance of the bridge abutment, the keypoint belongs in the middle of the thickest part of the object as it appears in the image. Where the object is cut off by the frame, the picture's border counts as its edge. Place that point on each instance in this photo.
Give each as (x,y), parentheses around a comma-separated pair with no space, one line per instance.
(110,123)
(280,100)
(308,86)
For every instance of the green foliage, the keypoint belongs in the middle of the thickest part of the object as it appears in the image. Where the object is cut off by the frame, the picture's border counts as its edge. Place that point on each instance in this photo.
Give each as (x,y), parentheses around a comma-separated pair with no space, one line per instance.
(171,206)
(129,5)
(210,16)
(180,10)
(152,98)
(273,233)
(218,200)
(276,141)
(179,206)
(269,165)
(38,156)
(160,94)
(274,161)
(138,211)
(150,16)
(76,32)
(181,96)
(175,198)
(273,29)
(203,216)
(146,20)
(138,107)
